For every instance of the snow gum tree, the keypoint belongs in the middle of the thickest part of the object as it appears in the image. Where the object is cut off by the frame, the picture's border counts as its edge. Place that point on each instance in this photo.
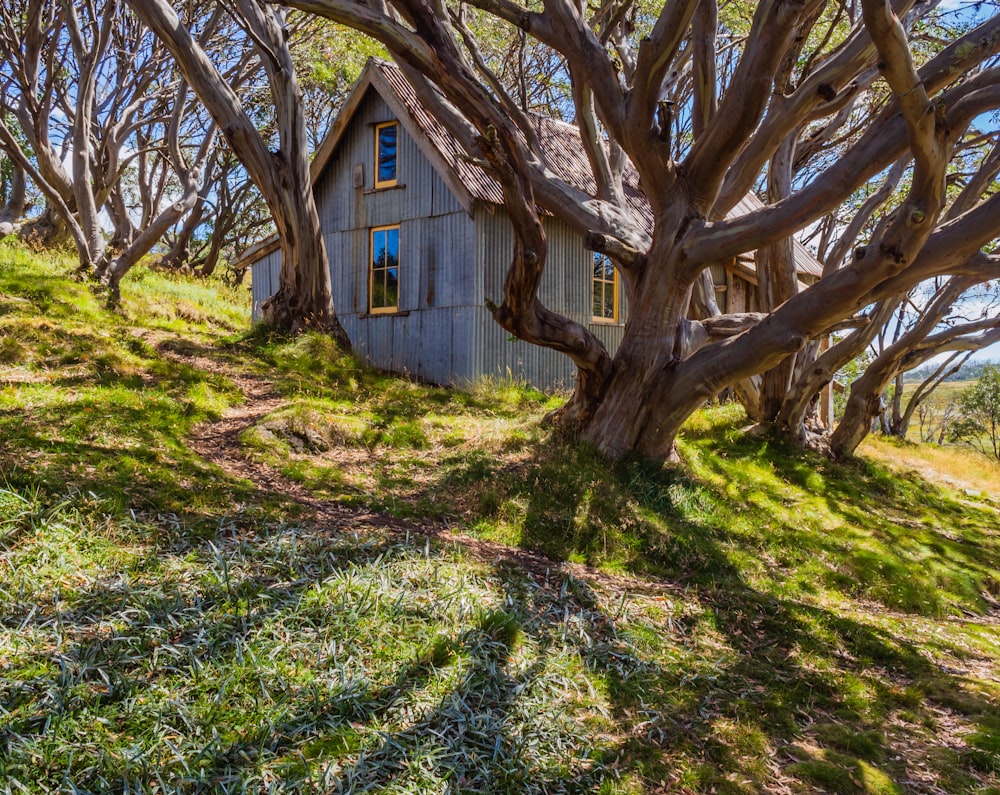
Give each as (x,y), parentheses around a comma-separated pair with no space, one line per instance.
(304,294)
(978,422)
(812,100)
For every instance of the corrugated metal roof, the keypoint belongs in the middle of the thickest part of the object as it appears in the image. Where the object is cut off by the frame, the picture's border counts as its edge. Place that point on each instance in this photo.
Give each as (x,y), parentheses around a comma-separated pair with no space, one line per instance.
(805,262)
(561,148)
(564,155)
(480,184)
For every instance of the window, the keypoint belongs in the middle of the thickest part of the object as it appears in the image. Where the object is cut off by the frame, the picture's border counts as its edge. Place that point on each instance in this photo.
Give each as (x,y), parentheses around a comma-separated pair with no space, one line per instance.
(384,272)
(605,291)
(385,154)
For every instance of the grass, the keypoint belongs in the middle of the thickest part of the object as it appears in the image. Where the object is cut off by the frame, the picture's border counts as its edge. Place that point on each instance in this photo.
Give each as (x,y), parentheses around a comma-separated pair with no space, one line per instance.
(754,619)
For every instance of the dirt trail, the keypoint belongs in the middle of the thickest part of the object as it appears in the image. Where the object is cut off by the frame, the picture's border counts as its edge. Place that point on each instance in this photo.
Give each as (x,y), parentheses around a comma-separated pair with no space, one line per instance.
(218,442)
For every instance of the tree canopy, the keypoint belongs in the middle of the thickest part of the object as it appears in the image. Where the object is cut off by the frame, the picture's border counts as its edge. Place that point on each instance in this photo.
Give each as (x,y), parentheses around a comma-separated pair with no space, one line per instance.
(863,121)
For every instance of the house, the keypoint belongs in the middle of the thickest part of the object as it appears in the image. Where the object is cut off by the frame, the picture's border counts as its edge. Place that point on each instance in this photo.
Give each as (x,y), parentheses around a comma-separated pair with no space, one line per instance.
(418,240)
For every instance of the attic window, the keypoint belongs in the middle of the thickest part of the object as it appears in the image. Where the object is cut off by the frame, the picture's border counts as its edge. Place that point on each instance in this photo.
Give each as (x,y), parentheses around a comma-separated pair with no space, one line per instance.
(385,154)
(605,290)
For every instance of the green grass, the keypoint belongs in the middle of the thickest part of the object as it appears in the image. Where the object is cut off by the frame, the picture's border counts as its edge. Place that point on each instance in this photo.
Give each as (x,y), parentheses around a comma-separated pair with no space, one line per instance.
(754,620)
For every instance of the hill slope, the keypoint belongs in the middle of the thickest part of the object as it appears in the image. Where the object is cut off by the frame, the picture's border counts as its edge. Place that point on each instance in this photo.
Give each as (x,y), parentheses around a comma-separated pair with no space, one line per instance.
(233,563)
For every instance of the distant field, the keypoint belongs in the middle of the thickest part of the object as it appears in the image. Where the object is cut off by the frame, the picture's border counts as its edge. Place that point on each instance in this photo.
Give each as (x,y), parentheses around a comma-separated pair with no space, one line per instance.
(927,422)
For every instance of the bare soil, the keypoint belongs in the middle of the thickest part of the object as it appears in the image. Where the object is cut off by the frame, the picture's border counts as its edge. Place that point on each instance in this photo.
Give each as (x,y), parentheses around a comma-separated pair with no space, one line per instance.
(219,443)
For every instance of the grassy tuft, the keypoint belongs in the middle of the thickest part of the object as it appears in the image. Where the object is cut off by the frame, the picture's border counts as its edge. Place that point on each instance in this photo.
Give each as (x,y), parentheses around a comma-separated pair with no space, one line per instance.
(754,619)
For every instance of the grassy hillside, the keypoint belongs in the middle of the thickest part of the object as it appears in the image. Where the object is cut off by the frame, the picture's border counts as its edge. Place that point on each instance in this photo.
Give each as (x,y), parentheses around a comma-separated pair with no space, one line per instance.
(354,583)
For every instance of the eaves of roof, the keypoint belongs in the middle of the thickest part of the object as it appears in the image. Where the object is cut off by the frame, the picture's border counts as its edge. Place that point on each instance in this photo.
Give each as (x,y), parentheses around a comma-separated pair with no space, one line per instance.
(560,143)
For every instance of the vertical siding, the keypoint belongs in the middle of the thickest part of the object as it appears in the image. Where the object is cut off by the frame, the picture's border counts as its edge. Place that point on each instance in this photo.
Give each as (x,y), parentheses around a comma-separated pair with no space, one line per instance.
(449,266)
(263,281)
(436,263)
(566,288)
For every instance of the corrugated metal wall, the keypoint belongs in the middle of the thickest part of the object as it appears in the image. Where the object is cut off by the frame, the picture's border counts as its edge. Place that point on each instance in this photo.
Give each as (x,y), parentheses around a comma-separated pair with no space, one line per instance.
(566,288)
(263,281)
(448,268)
(436,265)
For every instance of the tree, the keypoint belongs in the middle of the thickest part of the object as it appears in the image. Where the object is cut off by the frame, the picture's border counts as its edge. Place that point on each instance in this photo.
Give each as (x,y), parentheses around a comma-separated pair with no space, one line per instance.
(833,93)
(304,293)
(978,421)
(13,194)
(82,85)
(911,349)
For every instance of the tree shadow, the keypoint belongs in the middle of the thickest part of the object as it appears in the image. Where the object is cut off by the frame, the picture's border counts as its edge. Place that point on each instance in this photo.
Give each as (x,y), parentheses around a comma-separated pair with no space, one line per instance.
(863,698)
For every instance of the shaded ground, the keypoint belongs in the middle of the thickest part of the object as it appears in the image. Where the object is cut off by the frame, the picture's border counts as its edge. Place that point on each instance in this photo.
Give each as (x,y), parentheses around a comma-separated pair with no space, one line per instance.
(213,581)
(219,442)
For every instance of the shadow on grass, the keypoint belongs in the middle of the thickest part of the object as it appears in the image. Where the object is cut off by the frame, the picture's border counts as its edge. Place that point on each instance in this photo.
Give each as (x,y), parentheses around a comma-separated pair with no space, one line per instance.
(312,661)
(221,654)
(120,432)
(756,505)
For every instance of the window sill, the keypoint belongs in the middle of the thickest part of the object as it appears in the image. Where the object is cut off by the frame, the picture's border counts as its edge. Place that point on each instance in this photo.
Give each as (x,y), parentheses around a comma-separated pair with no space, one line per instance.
(390,313)
(596,322)
(397,186)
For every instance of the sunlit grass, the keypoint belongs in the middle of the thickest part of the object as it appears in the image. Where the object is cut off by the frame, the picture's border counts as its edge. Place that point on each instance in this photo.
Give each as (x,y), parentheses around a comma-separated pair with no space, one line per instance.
(185,303)
(955,466)
(755,619)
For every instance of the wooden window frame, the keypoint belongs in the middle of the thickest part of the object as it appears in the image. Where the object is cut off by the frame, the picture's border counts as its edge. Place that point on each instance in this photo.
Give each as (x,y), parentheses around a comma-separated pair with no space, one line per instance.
(381,310)
(386,183)
(594,282)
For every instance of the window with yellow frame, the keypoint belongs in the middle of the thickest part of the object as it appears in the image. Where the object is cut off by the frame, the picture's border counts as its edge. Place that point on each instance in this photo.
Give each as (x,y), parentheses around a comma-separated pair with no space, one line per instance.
(383,271)
(605,290)
(386,154)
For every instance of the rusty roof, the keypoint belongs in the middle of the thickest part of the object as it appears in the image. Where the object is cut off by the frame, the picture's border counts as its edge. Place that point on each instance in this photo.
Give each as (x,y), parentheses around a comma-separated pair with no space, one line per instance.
(562,151)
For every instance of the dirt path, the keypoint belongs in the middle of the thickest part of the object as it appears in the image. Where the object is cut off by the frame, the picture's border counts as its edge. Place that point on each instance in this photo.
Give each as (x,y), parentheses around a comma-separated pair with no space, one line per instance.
(218,442)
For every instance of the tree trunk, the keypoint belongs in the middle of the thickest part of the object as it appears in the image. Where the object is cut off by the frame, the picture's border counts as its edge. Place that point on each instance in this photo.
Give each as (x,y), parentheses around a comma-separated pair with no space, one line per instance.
(865,400)
(87,55)
(304,296)
(864,403)
(211,261)
(15,200)
(802,394)
(778,280)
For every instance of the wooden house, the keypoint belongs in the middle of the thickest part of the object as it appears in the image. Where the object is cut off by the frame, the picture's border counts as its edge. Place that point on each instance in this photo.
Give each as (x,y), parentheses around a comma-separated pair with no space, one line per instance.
(418,240)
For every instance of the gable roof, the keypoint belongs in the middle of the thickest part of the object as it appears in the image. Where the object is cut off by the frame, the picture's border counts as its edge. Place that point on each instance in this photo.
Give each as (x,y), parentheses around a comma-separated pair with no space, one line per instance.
(560,144)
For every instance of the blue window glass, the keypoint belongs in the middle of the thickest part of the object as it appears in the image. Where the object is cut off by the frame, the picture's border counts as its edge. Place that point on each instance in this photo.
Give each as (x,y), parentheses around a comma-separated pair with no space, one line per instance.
(385,269)
(385,154)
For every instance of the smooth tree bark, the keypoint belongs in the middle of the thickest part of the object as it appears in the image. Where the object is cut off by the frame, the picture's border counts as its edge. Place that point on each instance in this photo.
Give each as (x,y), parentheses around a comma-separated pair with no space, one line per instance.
(14,196)
(304,296)
(624,91)
(155,227)
(82,81)
(902,418)
(922,342)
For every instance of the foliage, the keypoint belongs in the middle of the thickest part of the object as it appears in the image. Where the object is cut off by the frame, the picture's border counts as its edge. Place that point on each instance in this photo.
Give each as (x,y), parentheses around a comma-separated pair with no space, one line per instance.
(329,59)
(701,106)
(847,375)
(753,620)
(978,421)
